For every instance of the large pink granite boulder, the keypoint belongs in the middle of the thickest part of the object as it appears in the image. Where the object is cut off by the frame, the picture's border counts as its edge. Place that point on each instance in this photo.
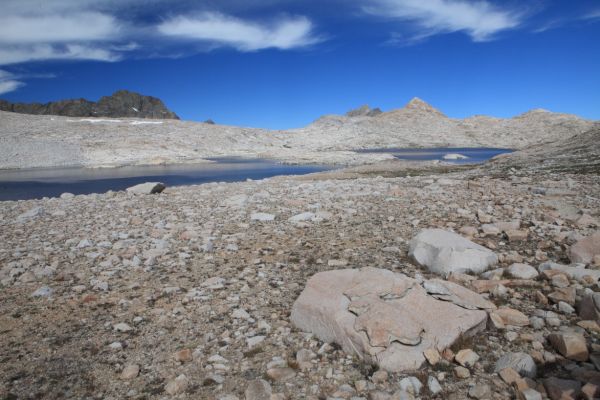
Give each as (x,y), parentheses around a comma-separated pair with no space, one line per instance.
(388,318)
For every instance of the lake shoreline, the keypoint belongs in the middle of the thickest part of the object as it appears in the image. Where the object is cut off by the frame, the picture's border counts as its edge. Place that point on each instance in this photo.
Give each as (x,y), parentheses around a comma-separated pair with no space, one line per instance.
(52,182)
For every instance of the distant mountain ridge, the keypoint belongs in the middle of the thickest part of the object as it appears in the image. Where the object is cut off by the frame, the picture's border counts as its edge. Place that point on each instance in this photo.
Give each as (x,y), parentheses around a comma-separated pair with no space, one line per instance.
(121,104)
(418,124)
(34,141)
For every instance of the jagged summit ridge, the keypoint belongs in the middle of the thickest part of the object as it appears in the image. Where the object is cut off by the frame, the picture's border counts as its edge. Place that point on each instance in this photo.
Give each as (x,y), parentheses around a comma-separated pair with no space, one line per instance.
(121,104)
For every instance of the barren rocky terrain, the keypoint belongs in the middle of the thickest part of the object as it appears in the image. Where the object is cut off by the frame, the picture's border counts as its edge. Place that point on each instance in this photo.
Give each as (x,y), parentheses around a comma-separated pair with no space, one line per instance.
(29,141)
(190,293)
(388,280)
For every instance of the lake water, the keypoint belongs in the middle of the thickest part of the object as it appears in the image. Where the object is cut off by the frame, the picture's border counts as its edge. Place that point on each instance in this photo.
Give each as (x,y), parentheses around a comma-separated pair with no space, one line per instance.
(474,155)
(43,182)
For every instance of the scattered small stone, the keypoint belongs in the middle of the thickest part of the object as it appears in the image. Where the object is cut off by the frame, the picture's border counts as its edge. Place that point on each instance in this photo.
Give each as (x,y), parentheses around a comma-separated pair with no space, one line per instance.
(432,355)
(462,372)
(184,355)
(530,394)
(511,316)
(122,327)
(434,385)
(522,271)
(562,389)
(411,385)
(281,374)
(521,363)
(43,291)
(177,385)
(480,392)
(258,390)
(262,217)
(129,372)
(466,358)
(380,376)
(147,188)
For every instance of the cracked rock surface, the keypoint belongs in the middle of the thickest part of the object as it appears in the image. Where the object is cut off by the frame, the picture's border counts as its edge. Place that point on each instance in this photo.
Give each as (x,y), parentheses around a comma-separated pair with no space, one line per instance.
(388,318)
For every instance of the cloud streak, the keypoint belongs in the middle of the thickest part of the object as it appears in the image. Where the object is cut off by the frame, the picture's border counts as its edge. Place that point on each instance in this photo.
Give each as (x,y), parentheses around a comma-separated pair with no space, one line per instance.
(72,27)
(8,82)
(595,14)
(480,20)
(222,30)
(110,30)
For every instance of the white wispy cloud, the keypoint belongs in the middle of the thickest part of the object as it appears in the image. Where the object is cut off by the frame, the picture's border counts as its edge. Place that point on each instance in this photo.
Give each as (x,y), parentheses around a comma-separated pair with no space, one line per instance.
(110,30)
(56,30)
(8,82)
(223,30)
(594,14)
(64,28)
(481,20)
(28,53)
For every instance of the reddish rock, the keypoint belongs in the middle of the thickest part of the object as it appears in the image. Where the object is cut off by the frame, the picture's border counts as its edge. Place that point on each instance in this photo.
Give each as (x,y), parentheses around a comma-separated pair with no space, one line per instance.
(513,317)
(570,345)
(563,294)
(388,318)
(184,355)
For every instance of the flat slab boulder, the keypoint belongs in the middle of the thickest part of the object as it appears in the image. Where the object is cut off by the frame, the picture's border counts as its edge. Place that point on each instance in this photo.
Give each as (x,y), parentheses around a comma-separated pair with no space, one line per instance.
(147,188)
(585,249)
(444,252)
(387,318)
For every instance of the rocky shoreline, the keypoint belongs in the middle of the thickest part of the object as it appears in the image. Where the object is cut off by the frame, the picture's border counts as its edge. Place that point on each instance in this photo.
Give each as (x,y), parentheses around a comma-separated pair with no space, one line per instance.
(189,293)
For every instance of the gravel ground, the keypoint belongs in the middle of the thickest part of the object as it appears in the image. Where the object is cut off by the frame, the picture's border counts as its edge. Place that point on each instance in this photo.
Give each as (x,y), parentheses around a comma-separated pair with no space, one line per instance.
(188,294)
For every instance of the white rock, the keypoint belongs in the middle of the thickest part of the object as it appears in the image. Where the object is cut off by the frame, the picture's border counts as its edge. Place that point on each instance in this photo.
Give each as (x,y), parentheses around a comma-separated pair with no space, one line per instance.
(240,313)
(446,252)
(84,243)
(411,385)
(122,327)
(44,291)
(147,188)
(30,214)
(258,390)
(255,341)
(263,217)
(522,271)
(177,385)
(214,283)
(306,216)
(433,385)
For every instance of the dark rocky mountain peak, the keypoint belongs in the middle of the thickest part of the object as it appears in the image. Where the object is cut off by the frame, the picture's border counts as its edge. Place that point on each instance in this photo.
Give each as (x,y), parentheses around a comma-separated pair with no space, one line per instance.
(364,111)
(121,104)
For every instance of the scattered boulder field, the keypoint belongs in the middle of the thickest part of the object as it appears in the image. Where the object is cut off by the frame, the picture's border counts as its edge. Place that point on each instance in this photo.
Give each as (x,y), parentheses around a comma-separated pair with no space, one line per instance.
(456,285)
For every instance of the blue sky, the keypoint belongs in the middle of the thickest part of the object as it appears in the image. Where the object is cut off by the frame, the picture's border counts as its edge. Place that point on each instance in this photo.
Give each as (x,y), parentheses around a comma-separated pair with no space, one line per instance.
(283,63)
